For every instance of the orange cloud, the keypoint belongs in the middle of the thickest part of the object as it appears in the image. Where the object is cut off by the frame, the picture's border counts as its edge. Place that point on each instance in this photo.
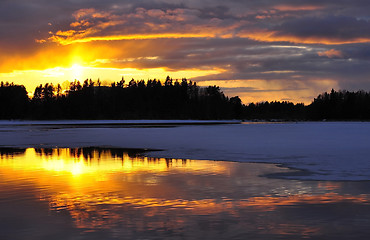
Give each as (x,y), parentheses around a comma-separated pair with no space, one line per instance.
(81,39)
(66,33)
(82,23)
(276,36)
(93,25)
(285,11)
(297,8)
(90,12)
(332,53)
(98,25)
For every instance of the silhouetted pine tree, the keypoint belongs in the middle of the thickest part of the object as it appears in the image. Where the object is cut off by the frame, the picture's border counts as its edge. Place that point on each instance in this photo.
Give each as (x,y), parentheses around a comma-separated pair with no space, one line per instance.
(13,101)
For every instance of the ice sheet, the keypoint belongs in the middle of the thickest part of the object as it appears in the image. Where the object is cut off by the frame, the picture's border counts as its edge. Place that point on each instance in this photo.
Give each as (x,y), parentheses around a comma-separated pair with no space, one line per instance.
(326,150)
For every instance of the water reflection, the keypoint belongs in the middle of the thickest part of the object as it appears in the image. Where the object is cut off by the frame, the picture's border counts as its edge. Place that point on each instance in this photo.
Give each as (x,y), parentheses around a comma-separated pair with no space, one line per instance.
(97,193)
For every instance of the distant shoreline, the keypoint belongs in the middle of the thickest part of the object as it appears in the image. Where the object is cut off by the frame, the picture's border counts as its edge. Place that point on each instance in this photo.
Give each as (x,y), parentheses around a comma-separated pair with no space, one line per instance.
(79,123)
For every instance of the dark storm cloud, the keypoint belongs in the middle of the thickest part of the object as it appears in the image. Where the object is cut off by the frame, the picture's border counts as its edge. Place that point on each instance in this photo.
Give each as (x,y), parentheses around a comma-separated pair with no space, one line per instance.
(24,21)
(328,27)
(356,51)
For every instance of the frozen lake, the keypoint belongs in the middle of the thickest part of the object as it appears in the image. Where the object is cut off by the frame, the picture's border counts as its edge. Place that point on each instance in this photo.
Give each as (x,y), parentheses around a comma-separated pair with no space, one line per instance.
(95,193)
(74,180)
(325,150)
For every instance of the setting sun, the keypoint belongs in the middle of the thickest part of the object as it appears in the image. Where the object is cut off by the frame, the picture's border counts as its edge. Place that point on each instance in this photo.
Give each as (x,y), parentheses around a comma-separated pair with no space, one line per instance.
(76,71)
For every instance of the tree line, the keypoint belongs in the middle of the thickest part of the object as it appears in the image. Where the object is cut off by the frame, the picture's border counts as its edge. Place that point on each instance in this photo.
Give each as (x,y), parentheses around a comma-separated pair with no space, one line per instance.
(152,99)
(340,105)
(172,99)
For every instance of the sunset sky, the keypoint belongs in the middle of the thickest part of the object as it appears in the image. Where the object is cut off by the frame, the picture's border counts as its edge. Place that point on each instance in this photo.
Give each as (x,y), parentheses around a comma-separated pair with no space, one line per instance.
(256,49)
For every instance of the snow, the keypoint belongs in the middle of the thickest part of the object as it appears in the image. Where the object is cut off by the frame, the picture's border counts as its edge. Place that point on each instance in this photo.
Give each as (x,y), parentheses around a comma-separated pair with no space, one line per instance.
(328,150)
(108,122)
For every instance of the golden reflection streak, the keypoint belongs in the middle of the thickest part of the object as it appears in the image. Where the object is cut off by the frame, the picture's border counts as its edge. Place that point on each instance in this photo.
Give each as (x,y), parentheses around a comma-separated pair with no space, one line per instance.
(76,163)
(72,172)
(81,207)
(270,203)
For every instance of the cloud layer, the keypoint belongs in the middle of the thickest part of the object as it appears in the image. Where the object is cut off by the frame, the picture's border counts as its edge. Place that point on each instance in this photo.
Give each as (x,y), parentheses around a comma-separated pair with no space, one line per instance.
(280,49)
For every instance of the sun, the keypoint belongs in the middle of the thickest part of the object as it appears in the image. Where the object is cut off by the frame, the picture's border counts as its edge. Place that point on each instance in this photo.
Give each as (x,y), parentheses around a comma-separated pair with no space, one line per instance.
(77,71)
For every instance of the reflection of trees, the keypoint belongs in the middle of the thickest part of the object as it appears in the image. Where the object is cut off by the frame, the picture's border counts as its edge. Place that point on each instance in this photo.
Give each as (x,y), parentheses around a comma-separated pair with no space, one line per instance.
(96,153)
(10,152)
(44,151)
(90,152)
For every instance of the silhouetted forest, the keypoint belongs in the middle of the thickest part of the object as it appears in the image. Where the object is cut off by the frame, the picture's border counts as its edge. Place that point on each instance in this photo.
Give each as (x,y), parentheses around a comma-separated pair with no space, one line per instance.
(341,105)
(150,99)
(182,99)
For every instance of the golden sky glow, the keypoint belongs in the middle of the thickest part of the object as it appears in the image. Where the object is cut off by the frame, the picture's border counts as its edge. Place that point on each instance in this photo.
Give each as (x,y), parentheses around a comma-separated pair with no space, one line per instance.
(290,49)
(32,78)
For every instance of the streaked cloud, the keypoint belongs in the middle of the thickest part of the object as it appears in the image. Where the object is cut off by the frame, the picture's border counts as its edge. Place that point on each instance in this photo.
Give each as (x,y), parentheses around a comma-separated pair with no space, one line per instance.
(94,25)
(281,49)
(332,53)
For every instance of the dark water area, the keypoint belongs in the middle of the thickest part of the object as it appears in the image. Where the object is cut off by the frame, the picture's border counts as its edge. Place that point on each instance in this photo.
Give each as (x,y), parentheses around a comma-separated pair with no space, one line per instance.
(97,193)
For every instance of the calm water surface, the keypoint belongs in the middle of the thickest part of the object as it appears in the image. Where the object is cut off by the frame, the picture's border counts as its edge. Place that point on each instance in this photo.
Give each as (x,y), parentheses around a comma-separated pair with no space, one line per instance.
(94,193)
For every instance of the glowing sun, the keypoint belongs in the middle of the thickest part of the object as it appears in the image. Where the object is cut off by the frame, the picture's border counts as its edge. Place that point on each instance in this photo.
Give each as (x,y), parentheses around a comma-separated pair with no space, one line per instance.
(77,71)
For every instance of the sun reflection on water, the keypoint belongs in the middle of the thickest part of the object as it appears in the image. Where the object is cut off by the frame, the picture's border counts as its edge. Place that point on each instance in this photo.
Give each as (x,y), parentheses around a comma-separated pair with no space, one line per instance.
(110,189)
(93,161)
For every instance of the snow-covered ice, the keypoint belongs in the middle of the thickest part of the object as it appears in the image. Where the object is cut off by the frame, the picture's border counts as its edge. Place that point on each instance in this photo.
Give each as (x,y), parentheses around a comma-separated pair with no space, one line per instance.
(329,150)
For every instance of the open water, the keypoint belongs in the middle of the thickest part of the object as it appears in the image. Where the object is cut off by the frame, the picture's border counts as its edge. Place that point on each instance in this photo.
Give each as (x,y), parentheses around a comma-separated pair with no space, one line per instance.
(97,193)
